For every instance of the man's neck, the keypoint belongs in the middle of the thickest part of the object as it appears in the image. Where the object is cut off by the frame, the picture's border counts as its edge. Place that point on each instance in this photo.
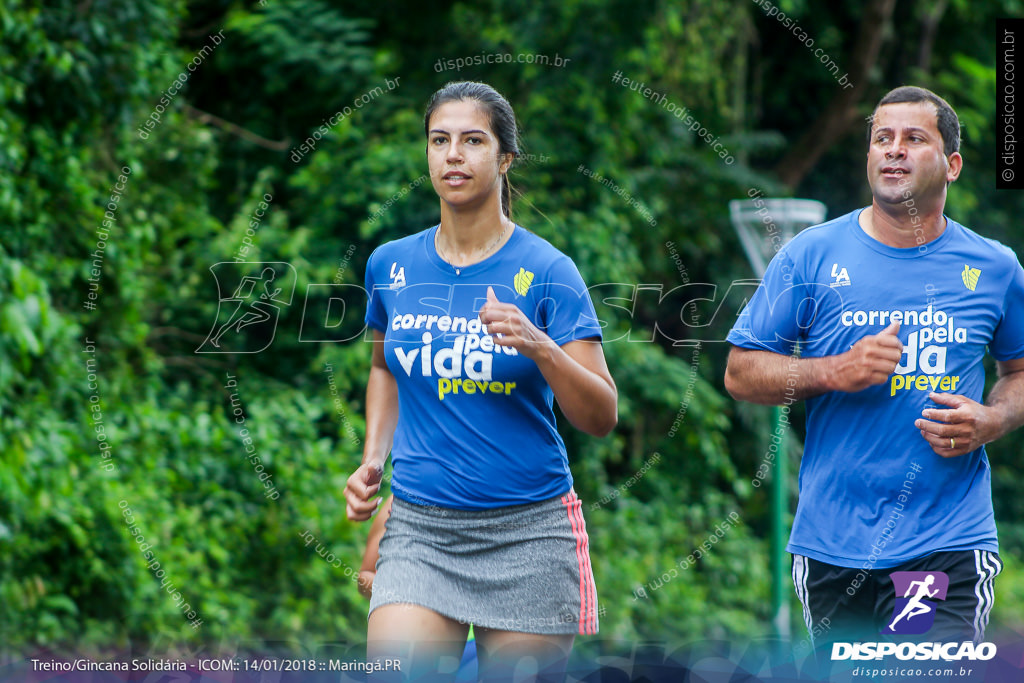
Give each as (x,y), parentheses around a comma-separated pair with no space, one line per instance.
(904,227)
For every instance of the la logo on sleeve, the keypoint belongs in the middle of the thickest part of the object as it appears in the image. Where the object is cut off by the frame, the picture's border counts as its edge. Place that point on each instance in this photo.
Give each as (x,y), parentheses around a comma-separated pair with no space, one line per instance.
(397,279)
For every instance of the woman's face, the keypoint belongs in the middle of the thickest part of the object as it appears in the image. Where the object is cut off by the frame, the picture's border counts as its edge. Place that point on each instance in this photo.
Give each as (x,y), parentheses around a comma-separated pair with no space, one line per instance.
(463,154)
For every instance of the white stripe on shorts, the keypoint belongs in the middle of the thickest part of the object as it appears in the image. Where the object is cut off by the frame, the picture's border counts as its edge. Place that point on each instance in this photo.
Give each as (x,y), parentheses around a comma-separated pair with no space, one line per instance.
(800,571)
(988,567)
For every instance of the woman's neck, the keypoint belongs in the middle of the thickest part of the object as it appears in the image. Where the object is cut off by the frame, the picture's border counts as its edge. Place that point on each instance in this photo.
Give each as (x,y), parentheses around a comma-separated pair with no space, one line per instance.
(466,237)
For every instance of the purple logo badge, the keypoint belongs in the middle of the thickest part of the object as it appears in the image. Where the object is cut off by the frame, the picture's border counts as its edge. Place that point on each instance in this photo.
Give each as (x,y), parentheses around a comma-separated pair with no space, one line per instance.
(915,592)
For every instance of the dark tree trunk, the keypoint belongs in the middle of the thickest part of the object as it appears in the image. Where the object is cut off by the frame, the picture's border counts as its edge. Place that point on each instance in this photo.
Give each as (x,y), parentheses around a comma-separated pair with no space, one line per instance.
(841,112)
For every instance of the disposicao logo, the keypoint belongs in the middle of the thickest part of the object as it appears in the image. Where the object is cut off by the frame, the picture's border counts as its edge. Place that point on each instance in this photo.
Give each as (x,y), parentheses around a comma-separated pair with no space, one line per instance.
(914,614)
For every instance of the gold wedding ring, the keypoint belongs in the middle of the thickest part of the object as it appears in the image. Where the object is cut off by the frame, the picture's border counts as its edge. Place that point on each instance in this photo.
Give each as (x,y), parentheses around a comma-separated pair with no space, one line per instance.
(952,443)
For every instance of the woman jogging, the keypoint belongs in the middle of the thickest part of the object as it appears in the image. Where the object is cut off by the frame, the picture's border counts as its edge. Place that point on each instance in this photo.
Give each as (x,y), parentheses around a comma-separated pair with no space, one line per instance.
(478,326)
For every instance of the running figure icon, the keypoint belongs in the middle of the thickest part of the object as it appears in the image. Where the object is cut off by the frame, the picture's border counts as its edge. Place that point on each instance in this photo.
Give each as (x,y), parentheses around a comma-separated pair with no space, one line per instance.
(249,310)
(251,298)
(915,607)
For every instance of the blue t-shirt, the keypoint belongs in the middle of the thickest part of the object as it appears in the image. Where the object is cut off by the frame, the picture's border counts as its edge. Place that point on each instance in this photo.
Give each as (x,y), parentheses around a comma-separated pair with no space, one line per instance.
(872,491)
(476,427)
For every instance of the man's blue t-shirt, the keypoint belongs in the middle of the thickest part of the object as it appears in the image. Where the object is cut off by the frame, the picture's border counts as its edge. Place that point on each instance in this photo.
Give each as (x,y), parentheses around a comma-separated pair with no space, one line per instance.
(476,427)
(872,491)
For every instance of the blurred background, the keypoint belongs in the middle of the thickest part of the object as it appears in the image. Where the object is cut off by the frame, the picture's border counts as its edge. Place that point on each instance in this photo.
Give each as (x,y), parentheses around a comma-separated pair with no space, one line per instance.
(105,403)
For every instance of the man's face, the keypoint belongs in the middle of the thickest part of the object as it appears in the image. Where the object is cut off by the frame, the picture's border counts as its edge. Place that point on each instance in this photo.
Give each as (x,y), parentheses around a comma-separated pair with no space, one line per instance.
(906,164)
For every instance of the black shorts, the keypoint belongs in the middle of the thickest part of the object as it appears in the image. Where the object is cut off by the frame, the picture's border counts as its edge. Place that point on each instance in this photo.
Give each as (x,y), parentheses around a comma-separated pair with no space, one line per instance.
(942,597)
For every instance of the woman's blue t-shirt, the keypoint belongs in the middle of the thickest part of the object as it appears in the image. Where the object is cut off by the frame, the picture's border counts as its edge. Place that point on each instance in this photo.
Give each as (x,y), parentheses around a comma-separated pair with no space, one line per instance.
(476,428)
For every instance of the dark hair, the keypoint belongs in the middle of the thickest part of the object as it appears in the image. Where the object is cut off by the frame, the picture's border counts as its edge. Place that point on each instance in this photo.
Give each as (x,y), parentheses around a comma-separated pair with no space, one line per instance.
(948,123)
(499,111)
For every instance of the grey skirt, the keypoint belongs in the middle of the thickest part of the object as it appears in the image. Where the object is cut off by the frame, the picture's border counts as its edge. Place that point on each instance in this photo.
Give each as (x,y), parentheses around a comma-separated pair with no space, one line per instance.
(524,568)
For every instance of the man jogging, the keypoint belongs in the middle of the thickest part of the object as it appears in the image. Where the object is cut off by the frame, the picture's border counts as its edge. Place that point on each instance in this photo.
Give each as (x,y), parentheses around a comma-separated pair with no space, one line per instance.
(891,309)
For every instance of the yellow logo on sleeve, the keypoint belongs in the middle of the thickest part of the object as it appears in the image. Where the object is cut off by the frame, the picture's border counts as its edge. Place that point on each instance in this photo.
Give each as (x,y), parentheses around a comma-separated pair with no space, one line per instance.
(970,277)
(522,281)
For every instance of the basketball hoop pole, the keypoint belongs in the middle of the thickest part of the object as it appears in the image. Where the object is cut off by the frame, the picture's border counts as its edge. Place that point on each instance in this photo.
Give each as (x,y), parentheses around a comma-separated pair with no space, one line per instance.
(764,226)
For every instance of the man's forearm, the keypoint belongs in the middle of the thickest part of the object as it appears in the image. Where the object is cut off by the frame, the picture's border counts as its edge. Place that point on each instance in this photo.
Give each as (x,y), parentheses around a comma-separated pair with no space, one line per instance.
(1007,398)
(772,378)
